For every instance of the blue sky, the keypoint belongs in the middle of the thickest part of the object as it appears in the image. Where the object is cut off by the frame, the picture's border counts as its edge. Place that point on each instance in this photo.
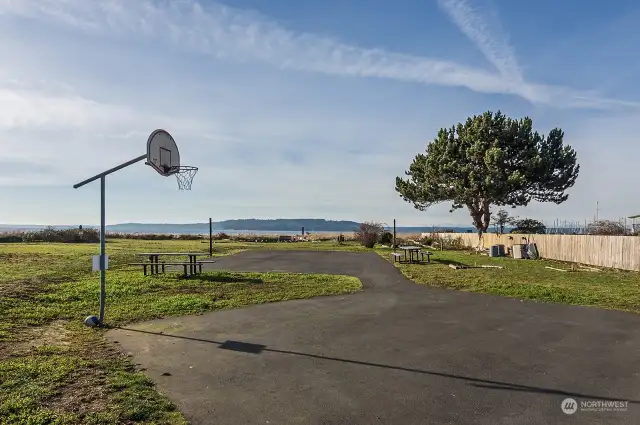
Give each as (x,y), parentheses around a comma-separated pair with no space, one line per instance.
(301,109)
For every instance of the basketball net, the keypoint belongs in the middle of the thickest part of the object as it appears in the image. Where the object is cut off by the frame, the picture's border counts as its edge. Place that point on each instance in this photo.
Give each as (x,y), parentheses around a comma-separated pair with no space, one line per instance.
(184,175)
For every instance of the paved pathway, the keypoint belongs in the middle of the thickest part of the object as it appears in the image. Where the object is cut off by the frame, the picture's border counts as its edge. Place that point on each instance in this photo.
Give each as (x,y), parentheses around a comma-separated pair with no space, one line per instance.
(396,353)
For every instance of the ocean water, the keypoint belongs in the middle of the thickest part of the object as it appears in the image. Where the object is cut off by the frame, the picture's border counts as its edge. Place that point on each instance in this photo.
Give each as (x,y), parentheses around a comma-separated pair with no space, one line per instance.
(311,232)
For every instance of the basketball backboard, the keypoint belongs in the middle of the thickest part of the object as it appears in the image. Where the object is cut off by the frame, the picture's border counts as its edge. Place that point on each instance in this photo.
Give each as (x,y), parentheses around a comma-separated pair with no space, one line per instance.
(162,153)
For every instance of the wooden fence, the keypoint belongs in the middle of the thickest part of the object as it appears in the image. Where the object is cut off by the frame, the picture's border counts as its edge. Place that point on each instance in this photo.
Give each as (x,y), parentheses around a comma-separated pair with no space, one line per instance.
(620,252)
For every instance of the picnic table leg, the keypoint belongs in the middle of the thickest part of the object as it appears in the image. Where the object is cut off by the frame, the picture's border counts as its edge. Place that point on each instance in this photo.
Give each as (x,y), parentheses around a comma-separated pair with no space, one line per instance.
(185,270)
(152,261)
(144,267)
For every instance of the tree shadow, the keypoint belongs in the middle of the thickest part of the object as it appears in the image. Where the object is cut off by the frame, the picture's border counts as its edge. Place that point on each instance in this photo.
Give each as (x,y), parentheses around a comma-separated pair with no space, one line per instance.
(448,262)
(476,382)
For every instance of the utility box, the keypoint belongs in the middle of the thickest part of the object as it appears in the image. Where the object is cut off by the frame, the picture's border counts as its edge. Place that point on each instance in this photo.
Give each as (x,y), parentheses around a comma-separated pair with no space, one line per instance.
(518,251)
(496,251)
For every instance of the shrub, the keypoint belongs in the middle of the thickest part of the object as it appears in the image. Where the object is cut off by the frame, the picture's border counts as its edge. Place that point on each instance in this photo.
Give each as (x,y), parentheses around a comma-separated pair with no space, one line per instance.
(444,242)
(368,233)
(430,239)
(386,238)
(528,226)
(189,237)
(49,234)
(453,243)
(10,237)
(606,227)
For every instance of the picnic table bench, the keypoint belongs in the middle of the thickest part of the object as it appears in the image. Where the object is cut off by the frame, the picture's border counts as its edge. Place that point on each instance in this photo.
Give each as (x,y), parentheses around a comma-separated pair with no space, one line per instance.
(413,251)
(155,266)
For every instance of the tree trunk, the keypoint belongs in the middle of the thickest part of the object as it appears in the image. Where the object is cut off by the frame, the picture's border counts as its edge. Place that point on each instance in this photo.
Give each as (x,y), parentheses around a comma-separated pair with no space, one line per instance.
(486,215)
(476,216)
(481,216)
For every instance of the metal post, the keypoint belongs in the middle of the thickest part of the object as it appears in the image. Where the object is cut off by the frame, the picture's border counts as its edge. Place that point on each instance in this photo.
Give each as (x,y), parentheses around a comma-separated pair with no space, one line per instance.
(394,235)
(210,237)
(103,273)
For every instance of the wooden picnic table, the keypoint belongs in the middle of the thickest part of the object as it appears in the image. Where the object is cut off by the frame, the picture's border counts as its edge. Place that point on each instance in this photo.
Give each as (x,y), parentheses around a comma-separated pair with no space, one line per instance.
(154,259)
(411,250)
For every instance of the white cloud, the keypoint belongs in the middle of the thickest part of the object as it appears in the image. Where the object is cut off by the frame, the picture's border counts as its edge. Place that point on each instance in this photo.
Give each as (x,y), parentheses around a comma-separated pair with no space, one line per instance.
(298,142)
(33,109)
(486,33)
(233,34)
(46,126)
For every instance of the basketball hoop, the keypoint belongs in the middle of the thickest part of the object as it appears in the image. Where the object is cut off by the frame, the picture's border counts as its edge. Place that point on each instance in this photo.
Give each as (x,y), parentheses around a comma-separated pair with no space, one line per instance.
(184,175)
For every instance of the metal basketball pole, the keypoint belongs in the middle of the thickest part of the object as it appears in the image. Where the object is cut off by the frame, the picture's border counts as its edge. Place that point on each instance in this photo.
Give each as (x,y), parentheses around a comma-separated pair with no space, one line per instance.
(103,271)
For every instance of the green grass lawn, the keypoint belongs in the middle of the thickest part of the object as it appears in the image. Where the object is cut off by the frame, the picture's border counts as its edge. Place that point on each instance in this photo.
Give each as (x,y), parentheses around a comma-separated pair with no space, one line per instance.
(528,279)
(54,370)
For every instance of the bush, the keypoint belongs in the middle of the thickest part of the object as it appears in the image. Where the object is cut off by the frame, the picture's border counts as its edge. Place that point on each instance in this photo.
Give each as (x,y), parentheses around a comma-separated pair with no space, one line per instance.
(386,238)
(430,239)
(444,242)
(10,238)
(528,226)
(606,227)
(190,237)
(453,243)
(141,236)
(368,233)
(50,234)
(221,236)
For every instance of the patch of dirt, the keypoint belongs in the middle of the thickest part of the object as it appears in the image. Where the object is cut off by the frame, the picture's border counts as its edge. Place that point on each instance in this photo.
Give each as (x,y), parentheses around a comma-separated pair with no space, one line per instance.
(11,257)
(87,393)
(52,334)
(26,288)
(22,289)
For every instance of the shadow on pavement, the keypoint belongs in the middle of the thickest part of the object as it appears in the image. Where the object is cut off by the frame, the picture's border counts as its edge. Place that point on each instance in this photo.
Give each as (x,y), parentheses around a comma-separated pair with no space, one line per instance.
(476,382)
